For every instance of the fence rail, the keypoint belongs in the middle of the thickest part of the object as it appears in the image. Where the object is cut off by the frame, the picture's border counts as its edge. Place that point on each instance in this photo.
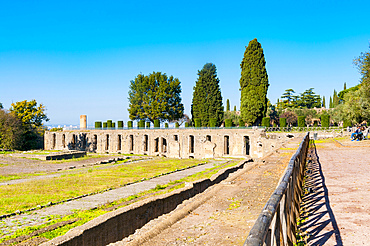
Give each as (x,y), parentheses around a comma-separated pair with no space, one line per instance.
(277,223)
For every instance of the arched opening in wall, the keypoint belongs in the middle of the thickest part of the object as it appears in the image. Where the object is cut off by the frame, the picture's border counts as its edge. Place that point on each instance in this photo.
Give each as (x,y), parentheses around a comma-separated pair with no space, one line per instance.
(53,141)
(73,141)
(176,138)
(145,143)
(119,142)
(246,145)
(83,140)
(191,144)
(64,140)
(164,145)
(95,142)
(226,145)
(107,142)
(156,145)
(131,144)
(208,138)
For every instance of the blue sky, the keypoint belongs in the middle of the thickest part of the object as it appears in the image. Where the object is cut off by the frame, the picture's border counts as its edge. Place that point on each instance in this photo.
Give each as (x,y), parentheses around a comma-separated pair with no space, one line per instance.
(78,57)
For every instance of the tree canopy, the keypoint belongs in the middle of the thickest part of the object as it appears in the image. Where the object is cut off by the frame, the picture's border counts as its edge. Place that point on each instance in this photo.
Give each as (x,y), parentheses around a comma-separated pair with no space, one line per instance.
(155,96)
(253,84)
(207,99)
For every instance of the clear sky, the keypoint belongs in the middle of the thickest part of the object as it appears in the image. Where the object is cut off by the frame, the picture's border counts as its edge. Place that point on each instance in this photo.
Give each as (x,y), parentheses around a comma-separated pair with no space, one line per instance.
(78,57)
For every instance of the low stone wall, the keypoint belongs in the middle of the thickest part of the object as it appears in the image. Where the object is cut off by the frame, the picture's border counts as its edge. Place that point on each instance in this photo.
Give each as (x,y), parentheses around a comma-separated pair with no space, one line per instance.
(55,156)
(116,225)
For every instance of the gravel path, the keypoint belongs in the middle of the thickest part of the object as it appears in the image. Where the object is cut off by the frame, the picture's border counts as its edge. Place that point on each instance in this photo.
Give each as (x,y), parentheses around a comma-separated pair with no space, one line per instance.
(13,223)
(339,210)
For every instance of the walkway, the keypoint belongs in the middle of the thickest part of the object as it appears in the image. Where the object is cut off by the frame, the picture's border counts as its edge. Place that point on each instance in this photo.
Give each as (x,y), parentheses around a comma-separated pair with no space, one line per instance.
(337,210)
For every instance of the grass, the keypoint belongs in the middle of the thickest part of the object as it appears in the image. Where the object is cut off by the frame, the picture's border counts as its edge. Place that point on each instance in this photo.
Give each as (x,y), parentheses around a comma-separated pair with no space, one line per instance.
(37,192)
(84,216)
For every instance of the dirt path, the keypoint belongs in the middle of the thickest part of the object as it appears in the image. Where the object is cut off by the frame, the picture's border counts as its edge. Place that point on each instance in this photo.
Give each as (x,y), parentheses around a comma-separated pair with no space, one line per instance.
(338,208)
(229,209)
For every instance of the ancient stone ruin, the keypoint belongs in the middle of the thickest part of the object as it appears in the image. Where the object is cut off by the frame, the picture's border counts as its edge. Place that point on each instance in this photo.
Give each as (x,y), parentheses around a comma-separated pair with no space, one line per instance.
(175,143)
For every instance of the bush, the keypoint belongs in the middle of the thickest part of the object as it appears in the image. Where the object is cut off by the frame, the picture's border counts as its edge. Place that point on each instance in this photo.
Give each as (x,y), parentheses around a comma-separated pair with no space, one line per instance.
(325,120)
(98,124)
(347,123)
(197,123)
(186,124)
(104,125)
(177,125)
(228,123)
(282,122)
(266,121)
(212,122)
(120,124)
(301,121)
(141,124)
(109,124)
(129,124)
(114,125)
(148,124)
(157,124)
(166,125)
(241,123)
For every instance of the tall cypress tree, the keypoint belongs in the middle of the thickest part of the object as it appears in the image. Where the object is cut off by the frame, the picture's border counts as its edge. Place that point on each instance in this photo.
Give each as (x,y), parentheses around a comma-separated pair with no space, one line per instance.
(323,102)
(253,84)
(227,105)
(345,86)
(207,99)
(335,99)
(330,103)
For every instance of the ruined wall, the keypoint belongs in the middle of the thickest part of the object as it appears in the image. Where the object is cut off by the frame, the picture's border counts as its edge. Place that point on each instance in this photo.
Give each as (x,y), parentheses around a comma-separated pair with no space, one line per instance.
(176,143)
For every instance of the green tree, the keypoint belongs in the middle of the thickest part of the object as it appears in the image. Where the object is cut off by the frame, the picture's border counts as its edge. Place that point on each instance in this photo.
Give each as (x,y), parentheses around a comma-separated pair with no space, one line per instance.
(323,102)
(227,105)
(11,131)
(32,117)
(345,86)
(253,84)
(309,99)
(155,96)
(335,99)
(330,102)
(288,98)
(207,99)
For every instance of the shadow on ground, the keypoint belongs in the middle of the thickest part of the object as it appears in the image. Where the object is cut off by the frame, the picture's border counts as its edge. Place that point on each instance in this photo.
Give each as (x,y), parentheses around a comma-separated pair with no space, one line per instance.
(318,220)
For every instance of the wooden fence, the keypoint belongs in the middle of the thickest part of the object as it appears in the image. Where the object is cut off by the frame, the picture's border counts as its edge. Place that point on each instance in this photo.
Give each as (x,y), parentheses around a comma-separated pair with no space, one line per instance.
(277,223)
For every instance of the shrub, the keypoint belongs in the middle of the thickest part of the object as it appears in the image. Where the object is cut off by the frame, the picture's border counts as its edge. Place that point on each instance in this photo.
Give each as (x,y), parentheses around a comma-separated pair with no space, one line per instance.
(282,122)
(347,123)
(120,124)
(141,124)
(166,125)
(186,124)
(148,124)
(104,125)
(301,121)
(228,123)
(325,120)
(241,123)
(129,124)
(98,124)
(212,122)
(114,125)
(266,121)
(109,124)
(197,122)
(177,125)
(157,124)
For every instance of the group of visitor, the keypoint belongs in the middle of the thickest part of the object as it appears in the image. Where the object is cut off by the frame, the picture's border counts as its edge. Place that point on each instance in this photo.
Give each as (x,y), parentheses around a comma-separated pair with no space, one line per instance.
(360,133)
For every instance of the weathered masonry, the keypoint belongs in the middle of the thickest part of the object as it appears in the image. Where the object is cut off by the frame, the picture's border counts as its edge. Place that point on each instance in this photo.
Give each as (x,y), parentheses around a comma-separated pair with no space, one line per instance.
(176,143)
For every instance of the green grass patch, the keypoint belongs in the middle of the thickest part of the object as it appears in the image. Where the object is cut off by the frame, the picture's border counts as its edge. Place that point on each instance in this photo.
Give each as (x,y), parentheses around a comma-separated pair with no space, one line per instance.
(37,192)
